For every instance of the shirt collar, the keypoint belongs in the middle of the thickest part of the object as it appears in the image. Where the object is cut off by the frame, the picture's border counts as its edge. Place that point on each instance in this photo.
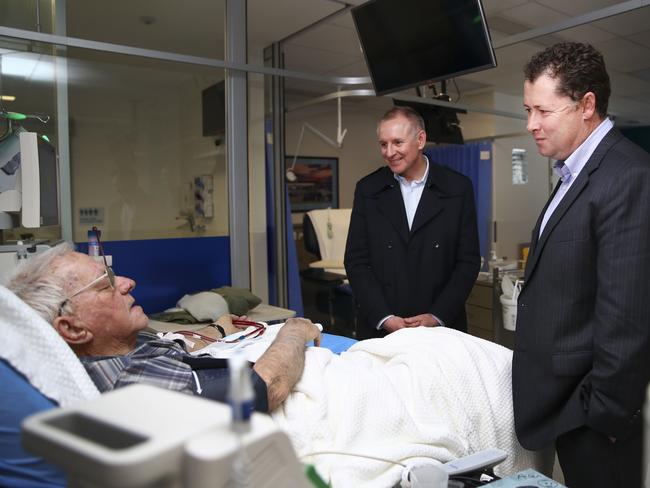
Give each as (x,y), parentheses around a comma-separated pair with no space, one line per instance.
(404,181)
(562,170)
(578,158)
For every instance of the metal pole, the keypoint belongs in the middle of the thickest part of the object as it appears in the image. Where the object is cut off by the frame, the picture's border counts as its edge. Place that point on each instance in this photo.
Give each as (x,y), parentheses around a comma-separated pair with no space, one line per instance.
(237,144)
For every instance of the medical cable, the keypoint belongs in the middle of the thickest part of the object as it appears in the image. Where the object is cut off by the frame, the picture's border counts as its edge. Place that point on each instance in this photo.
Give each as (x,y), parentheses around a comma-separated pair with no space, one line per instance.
(365,456)
(258,330)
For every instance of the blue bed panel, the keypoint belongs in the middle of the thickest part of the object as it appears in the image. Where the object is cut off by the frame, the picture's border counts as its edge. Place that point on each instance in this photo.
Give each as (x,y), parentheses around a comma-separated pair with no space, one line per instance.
(166,269)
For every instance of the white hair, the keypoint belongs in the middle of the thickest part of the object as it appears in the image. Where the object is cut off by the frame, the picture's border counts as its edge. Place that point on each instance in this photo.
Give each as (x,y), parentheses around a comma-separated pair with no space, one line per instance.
(34,282)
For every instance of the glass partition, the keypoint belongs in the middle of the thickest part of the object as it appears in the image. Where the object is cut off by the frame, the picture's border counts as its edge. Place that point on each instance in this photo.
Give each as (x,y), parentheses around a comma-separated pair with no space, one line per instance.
(140,164)
(139,158)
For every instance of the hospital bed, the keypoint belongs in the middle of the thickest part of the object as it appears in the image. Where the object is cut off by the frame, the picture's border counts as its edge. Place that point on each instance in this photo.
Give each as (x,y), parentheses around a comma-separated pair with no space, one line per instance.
(49,369)
(39,372)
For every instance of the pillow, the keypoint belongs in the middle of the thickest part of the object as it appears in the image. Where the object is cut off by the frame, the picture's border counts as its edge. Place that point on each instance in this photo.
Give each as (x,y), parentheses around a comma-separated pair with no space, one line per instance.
(240,300)
(204,306)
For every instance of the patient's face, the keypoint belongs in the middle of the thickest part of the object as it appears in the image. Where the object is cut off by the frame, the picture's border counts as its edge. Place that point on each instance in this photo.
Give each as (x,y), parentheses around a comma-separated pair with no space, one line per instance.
(110,313)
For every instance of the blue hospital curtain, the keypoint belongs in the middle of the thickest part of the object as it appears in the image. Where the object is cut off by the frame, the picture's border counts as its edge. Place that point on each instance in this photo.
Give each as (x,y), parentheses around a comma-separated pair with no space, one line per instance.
(474,160)
(293,273)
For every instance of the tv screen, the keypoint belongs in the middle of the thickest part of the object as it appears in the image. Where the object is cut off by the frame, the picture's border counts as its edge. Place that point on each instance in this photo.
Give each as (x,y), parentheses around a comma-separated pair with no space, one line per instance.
(440,123)
(414,42)
(214,109)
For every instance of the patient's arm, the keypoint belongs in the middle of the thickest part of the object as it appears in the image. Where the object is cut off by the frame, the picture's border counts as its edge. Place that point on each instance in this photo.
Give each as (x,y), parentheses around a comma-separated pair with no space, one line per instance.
(281,365)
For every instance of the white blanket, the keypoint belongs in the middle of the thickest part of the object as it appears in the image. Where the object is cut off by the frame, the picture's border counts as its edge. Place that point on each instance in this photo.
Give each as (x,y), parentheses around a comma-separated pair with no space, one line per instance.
(426,392)
(33,347)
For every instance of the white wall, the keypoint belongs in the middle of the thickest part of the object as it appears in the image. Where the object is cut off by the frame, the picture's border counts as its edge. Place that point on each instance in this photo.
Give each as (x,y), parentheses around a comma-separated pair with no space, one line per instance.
(516,207)
(359,154)
(135,157)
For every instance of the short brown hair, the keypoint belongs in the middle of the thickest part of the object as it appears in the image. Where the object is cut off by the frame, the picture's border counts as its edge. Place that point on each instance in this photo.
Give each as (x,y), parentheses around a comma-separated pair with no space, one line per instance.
(579,68)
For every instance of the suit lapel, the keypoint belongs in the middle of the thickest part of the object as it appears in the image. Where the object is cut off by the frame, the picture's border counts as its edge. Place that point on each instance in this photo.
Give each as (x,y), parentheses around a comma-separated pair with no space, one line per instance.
(389,202)
(532,256)
(430,205)
(611,138)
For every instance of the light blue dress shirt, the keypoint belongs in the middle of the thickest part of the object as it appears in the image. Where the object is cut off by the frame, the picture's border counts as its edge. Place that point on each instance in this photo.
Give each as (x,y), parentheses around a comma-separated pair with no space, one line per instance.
(574,163)
(412,192)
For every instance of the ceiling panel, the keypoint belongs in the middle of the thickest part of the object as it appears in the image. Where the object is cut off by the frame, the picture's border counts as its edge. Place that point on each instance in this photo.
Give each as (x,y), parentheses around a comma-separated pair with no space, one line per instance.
(642,38)
(628,23)
(493,7)
(628,86)
(643,74)
(273,20)
(627,109)
(586,33)
(623,55)
(330,37)
(315,60)
(516,55)
(151,24)
(577,7)
(533,15)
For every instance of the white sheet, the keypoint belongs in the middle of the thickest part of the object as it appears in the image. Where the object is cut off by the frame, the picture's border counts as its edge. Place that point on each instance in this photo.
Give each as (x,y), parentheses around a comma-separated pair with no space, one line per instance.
(425,392)
(34,348)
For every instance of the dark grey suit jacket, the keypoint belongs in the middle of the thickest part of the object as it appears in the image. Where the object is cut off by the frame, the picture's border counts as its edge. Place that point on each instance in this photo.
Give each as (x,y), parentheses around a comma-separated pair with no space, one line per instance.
(429,269)
(582,347)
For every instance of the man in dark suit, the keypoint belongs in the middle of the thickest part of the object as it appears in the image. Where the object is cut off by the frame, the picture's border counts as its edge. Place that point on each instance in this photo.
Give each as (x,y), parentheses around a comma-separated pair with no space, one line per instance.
(582,350)
(412,253)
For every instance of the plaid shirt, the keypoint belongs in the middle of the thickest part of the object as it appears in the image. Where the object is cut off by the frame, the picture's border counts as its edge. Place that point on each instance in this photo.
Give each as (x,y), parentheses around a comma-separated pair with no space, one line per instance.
(154,361)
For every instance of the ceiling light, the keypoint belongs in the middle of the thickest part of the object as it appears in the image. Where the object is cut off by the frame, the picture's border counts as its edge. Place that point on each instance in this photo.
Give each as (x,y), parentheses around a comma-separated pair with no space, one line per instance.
(30,66)
(8,98)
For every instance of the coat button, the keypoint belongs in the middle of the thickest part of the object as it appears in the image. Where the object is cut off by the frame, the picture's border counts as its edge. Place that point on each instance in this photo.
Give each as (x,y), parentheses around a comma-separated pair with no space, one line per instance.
(522,305)
(436,245)
(389,246)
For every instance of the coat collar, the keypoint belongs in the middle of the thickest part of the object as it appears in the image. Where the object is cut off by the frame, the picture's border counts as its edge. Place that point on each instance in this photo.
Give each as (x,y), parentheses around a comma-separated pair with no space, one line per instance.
(385,189)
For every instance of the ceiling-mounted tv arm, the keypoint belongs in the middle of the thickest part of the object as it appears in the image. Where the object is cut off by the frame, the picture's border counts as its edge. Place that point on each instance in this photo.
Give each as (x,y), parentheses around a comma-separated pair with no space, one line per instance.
(340,135)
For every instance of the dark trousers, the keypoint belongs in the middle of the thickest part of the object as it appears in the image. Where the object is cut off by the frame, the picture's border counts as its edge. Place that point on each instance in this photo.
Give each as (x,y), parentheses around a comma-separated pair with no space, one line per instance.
(590,460)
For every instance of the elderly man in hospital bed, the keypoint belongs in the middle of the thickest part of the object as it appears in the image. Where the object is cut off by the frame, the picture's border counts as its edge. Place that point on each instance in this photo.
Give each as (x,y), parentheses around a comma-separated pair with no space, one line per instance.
(429,393)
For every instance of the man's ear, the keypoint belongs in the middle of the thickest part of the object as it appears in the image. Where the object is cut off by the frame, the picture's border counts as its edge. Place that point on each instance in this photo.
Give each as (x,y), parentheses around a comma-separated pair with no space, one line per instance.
(421,138)
(588,105)
(71,330)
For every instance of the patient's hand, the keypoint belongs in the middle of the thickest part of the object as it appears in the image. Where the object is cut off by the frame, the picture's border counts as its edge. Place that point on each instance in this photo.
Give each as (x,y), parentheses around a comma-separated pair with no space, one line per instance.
(303,327)
(225,321)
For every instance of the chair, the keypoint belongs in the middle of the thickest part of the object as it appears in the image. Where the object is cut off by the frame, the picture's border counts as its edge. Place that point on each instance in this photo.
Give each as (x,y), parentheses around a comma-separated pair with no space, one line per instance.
(325,235)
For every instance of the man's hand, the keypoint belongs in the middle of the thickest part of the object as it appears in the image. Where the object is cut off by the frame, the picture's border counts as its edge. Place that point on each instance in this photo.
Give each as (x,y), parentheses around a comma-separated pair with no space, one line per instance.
(422,320)
(393,323)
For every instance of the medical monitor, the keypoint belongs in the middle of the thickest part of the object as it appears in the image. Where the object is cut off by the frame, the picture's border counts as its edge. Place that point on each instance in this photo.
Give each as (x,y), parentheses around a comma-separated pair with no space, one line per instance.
(415,42)
(29,194)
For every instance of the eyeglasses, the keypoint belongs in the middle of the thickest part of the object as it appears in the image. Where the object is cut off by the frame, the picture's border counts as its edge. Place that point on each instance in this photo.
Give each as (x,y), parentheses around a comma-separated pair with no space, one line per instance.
(108,273)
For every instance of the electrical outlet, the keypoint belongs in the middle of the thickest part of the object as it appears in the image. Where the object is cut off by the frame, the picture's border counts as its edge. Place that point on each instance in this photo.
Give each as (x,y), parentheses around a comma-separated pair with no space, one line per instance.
(91,215)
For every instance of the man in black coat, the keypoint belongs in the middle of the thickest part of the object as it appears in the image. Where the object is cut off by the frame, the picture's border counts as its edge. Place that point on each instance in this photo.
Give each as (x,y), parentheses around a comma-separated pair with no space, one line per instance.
(412,253)
(582,348)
